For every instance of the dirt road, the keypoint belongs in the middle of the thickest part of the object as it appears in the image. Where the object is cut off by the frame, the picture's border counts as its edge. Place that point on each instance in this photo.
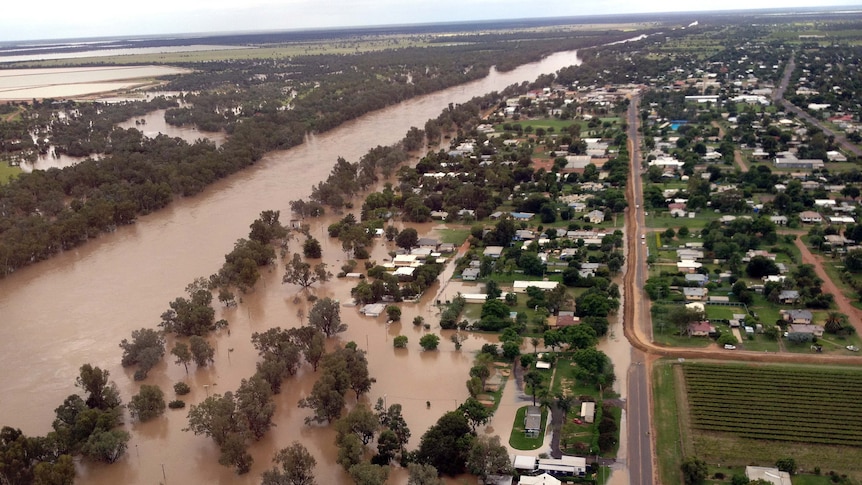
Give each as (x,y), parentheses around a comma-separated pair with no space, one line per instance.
(844,306)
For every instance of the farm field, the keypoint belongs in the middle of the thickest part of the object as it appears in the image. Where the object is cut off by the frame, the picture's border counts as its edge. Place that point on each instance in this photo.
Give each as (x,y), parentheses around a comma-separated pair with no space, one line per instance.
(774,404)
(739,415)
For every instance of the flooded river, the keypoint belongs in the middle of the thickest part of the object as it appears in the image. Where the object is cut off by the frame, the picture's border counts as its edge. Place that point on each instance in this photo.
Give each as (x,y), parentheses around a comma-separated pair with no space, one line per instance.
(75,308)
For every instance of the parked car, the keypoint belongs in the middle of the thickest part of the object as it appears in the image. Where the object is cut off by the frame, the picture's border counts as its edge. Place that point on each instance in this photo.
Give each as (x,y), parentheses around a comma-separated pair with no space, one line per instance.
(852,348)
(729,347)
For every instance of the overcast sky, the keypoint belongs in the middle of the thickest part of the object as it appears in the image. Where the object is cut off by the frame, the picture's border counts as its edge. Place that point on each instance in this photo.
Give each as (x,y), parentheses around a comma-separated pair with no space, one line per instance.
(54,19)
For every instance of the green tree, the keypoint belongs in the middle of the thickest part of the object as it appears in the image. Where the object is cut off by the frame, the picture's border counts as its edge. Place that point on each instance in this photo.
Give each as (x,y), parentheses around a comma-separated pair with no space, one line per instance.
(429,341)
(107,446)
(101,393)
(192,316)
(420,474)
(254,405)
(533,379)
(694,471)
(325,315)
(145,350)
(311,248)
(408,238)
(60,472)
(202,352)
(580,337)
(400,342)
(393,313)
(360,421)
(326,398)
(301,273)
(786,465)
(368,474)
(183,354)
(294,466)
(350,451)
(216,417)
(488,457)
(446,444)
(475,412)
(148,403)
(393,420)
(387,447)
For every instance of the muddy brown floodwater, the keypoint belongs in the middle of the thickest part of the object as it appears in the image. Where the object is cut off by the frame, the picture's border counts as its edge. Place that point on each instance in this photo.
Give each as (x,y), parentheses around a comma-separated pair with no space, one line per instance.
(75,309)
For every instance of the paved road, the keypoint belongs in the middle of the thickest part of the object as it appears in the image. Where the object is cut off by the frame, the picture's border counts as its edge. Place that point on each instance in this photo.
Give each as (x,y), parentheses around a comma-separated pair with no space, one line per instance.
(640,450)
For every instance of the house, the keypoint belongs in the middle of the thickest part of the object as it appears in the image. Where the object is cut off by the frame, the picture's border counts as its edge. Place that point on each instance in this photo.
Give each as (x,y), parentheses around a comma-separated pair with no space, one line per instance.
(427,242)
(810,217)
(689,254)
(524,464)
(493,252)
(578,206)
(588,411)
(405,272)
(567,253)
(524,235)
(814,330)
(470,274)
(565,466)
(446,248)
(521,286)
(788,296)
(695,294)
(543,479)
(688,266)
(373,310)
(532,421)
(522,216)
(802,317)
(595,216)
(697,278)
(567,319)
(700,329)
(405,260)
(779,220)
(771,475)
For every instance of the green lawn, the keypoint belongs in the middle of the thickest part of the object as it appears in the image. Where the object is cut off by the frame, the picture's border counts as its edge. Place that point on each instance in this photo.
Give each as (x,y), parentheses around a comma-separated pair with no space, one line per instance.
(518,440)
(7,173)
(454,236)
(668,449)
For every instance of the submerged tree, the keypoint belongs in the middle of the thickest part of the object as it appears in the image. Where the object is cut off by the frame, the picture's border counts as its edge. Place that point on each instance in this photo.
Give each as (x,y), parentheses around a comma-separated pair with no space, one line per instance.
(294,466)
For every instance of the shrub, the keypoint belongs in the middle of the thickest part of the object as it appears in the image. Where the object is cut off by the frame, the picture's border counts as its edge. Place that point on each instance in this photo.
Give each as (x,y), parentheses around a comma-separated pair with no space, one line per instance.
(177,404)
(181,388)
(400,342)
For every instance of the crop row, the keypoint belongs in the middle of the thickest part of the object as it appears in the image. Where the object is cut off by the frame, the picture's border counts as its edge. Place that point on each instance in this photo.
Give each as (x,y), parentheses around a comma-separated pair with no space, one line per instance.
(787,383)
(747,422)
(844,419)
(793,385)
(764,398)
(784,373)
(785,395)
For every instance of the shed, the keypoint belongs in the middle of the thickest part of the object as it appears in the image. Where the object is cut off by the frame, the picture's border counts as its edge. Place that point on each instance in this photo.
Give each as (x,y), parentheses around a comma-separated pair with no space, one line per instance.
(373,310)
(588,411)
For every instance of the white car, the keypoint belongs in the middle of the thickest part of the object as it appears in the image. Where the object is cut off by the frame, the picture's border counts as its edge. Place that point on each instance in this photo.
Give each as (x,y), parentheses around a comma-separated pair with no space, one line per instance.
(852,348)
(729,347)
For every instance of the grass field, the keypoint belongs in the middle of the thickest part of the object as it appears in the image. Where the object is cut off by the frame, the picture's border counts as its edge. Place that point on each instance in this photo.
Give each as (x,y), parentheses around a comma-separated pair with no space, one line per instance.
(7,173)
